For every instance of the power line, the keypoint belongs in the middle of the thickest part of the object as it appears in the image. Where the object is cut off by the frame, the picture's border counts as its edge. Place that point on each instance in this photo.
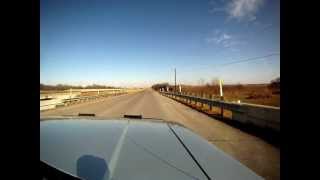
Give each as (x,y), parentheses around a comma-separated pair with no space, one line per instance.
(258,58)
(250,59)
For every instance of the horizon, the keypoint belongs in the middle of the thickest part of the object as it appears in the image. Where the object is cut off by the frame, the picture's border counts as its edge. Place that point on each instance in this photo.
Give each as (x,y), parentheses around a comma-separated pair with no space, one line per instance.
(170,84)
(138,44)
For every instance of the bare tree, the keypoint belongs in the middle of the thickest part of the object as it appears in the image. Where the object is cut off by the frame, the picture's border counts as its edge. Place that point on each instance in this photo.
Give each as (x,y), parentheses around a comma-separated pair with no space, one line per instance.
(214,81)
(201,82)
(239,86)
(275,85)
(160,85)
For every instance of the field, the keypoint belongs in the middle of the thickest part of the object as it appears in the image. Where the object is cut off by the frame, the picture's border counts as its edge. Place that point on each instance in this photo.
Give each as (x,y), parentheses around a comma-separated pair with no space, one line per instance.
(250,93)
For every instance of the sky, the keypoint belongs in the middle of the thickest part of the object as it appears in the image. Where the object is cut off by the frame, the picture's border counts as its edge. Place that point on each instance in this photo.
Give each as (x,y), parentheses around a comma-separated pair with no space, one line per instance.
(139,43)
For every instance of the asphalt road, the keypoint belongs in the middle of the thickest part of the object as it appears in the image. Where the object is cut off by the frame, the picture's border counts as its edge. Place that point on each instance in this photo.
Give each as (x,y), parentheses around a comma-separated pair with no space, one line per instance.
(255,153)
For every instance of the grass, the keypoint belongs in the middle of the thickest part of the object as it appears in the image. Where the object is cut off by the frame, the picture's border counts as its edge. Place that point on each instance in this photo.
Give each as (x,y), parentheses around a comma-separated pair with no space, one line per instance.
(255,94)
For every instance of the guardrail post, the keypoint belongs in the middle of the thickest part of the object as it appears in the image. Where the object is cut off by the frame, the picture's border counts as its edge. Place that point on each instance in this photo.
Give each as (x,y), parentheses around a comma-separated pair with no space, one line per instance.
(192,94)
(210,103)
(202,95)
(195,95)
(187,99)
(221,97)
(196,102)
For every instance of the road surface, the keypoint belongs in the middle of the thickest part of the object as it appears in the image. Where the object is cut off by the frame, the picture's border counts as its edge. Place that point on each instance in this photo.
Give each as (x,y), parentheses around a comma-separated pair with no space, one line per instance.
(252,151)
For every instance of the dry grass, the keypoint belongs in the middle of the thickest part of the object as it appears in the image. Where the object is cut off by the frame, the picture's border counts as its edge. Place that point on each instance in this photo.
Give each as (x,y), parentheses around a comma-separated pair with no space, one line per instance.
(256,94)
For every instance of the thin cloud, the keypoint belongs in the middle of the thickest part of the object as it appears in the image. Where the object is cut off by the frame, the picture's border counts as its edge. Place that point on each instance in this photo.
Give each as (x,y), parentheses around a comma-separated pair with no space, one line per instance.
(225,40)
(263,26)
(244,9)
(238,9)
(220,38)
(217,6)
(217,9)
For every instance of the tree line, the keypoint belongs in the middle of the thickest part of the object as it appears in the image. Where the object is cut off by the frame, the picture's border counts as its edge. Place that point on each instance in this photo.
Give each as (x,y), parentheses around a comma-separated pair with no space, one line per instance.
(160,85)
(274,84)
(66,87)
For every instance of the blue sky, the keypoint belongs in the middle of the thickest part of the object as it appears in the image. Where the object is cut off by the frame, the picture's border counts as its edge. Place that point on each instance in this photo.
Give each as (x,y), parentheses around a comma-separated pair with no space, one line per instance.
(140,42)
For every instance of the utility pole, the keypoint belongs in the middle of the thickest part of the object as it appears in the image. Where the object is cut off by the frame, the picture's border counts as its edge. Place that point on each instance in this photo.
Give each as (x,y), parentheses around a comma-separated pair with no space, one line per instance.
(221,96)
(175,80)
(221,92)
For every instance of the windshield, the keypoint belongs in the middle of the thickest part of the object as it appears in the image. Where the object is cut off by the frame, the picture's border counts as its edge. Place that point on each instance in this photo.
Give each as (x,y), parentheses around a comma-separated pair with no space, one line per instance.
(211,66)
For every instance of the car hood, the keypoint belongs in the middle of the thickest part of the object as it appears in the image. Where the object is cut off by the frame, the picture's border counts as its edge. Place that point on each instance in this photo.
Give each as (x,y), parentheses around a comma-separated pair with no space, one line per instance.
(134,149)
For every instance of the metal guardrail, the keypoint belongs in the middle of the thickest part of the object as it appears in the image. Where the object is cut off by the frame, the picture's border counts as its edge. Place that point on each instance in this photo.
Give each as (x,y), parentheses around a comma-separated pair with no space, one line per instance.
(259,115)
(80,98)
(53,104)
(77,99)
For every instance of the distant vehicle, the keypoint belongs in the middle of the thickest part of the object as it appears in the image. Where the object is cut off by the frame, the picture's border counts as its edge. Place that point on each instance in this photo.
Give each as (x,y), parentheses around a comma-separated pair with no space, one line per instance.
(92,148)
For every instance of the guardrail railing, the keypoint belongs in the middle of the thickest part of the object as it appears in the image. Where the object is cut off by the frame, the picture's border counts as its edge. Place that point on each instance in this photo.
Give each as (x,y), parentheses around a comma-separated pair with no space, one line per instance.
(71,100)
(259,115)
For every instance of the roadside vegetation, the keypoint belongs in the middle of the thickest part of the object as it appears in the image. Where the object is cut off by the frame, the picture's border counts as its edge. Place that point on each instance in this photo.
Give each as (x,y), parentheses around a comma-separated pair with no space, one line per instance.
(264,94)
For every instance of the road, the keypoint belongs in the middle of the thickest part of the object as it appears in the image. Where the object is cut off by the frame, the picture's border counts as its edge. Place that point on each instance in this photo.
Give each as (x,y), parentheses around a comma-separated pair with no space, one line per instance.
(255,153)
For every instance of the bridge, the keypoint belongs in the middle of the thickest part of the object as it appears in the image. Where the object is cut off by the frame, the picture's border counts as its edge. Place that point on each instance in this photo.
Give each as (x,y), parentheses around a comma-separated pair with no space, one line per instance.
(251,150)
